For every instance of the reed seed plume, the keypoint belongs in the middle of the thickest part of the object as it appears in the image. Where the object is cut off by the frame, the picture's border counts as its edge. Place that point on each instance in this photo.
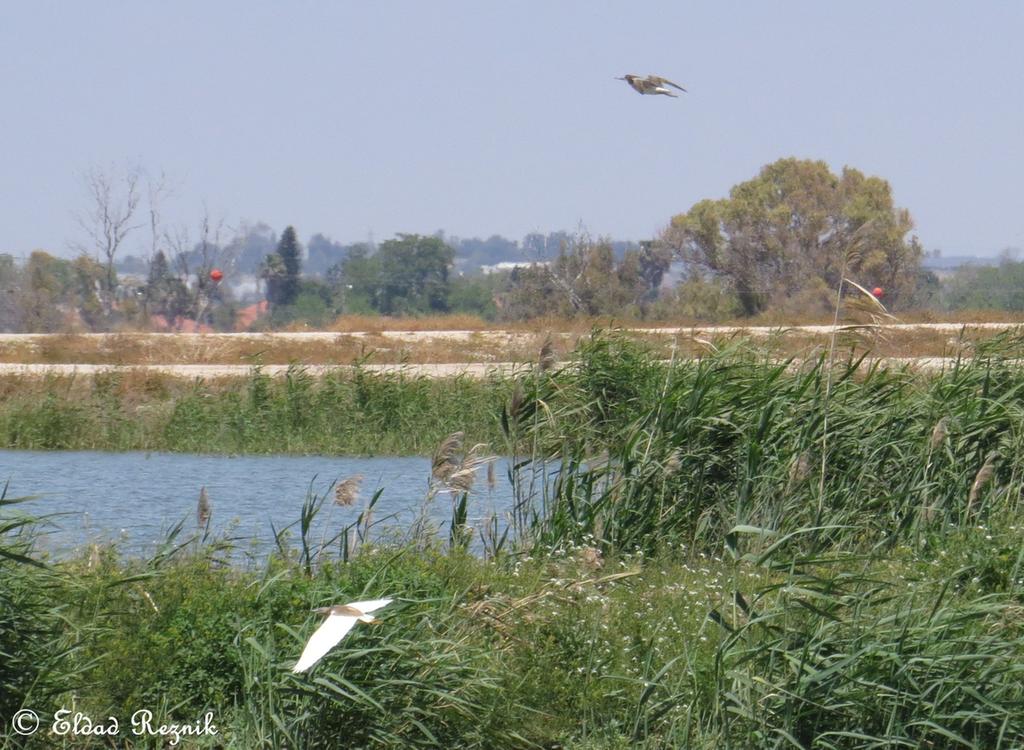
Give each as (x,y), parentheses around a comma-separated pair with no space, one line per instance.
(546,360)
(673,462)
(203,509)
(444,464)
(455,470)
(347,492)
(515,404)
(939,433)
(462,479)
(981,479)
(799,468)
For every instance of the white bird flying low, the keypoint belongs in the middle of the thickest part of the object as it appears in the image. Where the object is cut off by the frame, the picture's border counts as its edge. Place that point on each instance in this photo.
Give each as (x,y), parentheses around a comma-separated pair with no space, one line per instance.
(341,618)
(650,84)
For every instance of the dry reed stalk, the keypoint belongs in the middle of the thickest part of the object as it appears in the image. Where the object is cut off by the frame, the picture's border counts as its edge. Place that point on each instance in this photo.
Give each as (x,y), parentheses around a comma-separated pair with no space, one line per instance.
(982,478)
(203,509)
(367,523)
(347,492)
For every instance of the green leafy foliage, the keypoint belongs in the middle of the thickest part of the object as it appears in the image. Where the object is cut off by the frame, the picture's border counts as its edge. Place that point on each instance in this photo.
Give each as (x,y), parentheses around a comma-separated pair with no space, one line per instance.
(281,270)
(406,276)
(793,229)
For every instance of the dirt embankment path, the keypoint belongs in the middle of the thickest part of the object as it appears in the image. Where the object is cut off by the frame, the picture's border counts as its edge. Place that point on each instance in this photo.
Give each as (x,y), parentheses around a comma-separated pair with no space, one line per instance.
(437,353)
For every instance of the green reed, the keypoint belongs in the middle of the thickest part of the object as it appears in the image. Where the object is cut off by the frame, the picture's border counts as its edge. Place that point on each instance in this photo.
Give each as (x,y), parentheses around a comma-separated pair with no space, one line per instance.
(343,412)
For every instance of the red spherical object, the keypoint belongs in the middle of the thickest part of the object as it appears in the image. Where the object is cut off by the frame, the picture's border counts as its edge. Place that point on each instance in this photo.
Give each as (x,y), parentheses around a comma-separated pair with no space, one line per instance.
(216,274)
(878,292)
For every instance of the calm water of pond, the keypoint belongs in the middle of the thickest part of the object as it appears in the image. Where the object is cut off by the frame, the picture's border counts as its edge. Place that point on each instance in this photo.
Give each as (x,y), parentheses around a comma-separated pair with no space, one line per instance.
(134,498)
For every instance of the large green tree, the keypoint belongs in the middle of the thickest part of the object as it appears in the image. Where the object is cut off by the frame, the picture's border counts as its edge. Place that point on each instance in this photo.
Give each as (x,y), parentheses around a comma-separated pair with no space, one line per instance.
(408,275)
(793,231)
(414,275)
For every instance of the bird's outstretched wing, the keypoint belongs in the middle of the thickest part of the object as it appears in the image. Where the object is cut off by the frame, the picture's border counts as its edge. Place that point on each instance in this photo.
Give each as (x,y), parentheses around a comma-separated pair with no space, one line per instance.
(326,637)
(658,80)
(370,606)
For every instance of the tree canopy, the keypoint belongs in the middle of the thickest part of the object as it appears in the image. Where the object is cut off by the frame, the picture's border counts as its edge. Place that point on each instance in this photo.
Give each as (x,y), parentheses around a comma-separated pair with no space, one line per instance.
(786,237)
(584,279)
(406,276)
(988,287)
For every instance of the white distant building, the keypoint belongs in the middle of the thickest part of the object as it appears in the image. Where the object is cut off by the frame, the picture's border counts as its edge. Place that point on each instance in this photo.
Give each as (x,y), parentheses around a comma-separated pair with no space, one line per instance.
(246,287)
(511,265)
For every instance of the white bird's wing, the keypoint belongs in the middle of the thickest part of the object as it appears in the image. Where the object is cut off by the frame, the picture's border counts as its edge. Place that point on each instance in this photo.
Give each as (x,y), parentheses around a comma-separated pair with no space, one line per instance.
(326,637)
(370,606)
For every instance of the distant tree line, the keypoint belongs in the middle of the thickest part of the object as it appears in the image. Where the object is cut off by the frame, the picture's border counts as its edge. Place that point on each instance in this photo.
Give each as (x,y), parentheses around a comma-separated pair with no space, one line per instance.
(780,242)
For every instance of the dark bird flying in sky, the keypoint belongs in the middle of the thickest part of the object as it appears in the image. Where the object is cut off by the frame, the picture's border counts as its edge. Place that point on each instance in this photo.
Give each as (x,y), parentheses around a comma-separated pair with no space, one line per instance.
(650,84)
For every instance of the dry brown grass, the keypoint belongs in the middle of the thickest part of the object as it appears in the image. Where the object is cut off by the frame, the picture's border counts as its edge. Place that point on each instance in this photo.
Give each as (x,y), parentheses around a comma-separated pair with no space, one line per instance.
(349,323)
(465,339)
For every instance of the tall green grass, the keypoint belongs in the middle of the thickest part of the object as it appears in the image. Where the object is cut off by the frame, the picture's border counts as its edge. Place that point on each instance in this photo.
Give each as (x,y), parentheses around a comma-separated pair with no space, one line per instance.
(723,553)
(344,412)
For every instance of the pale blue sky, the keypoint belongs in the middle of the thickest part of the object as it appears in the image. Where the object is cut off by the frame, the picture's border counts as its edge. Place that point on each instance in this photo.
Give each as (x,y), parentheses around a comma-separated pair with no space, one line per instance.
(480,118)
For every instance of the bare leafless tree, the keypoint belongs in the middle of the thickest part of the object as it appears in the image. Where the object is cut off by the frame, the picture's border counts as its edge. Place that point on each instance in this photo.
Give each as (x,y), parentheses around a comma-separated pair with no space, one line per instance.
(184,251)
(157,190)
(113,200)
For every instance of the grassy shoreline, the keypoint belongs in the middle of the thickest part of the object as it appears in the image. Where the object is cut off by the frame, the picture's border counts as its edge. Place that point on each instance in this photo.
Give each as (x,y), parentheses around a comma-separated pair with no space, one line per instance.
(362,412)
(560,648)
